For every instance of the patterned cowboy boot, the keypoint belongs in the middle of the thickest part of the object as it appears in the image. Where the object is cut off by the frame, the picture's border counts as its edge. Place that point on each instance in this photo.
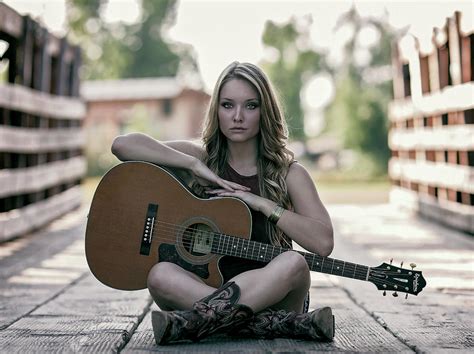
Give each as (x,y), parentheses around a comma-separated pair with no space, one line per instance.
(315,325)
(217,312)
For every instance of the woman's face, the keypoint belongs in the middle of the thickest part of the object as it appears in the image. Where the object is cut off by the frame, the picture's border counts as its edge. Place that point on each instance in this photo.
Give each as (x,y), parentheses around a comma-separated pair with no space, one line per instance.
(239,111)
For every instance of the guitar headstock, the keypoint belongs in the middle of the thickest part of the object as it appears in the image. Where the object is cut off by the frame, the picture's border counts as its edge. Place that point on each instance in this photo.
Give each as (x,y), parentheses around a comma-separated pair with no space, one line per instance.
(388,277)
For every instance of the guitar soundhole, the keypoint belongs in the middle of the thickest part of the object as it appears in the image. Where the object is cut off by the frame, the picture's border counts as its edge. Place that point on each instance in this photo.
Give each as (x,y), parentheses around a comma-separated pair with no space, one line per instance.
(197,239)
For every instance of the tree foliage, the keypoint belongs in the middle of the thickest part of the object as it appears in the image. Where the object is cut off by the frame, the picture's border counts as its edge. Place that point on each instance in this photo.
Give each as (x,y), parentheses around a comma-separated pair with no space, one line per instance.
(358,113)
(118,50)
(295,62)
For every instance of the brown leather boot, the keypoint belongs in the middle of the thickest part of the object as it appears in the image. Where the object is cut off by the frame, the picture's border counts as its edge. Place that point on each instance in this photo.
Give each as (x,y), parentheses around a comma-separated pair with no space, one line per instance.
(315,325)
(217,312)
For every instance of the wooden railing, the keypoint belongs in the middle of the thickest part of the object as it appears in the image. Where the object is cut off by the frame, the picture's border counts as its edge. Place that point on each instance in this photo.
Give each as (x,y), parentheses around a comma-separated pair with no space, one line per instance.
(432,126)
(41,137)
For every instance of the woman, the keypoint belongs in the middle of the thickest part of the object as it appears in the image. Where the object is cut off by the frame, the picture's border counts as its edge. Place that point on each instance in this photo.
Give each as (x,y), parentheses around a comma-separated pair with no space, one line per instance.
(244,155)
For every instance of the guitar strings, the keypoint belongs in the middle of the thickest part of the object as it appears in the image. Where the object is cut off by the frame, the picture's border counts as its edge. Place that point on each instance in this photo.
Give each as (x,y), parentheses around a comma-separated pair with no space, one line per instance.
(361,273)
(172,228)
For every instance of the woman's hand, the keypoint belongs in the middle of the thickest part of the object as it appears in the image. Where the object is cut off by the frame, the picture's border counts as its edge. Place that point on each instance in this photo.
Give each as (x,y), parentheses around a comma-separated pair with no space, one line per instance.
(205,177)
(252,200)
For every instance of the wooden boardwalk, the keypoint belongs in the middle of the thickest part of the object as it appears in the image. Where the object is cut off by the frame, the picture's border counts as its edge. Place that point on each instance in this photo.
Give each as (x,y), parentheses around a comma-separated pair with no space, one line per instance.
(50,302)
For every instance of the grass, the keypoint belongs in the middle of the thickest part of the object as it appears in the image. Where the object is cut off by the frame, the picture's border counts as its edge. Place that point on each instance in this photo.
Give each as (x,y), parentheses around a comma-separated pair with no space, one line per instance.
(358,192)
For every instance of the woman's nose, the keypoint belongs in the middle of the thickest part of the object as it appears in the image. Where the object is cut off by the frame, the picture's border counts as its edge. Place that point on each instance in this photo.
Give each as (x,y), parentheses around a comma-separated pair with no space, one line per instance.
(238,115)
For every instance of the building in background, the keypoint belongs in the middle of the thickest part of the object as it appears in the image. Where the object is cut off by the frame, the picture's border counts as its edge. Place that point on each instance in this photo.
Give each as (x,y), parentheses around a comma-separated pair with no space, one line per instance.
(432,125)
(162,107)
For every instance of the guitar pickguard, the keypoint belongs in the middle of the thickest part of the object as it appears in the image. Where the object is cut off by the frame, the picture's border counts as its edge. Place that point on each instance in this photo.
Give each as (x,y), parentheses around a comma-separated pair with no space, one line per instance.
(168,253)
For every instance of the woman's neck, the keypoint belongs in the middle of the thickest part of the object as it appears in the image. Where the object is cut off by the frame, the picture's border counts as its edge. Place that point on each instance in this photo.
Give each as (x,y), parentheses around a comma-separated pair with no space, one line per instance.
(243,156)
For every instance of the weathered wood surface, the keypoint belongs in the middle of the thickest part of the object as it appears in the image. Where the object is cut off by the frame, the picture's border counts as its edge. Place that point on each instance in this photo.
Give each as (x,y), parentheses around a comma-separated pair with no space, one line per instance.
(458,177)
(451,98)
(457,215)
(10,21)
(455,137)
(37,178)
(19,221)
(31,140)
(49,301)
(24,99)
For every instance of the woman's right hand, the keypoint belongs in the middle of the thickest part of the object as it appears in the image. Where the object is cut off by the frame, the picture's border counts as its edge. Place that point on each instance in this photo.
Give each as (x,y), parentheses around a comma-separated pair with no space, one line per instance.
(206,178)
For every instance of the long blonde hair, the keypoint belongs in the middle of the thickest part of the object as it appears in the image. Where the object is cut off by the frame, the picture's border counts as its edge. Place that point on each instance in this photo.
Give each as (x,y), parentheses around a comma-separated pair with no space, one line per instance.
(273,157)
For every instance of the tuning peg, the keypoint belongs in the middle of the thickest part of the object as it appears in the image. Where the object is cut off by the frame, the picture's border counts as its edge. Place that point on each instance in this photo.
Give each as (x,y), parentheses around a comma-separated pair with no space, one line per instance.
(384,293)
(406,296)
(391,260)
(413,266)
(395,294)
(401,265)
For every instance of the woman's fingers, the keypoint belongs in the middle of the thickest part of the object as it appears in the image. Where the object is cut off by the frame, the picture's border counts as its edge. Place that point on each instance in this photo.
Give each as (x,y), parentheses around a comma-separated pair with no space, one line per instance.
(231,186)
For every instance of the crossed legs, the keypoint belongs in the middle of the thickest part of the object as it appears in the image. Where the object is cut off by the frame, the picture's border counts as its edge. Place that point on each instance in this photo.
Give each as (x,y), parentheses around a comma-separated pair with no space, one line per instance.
(281,284)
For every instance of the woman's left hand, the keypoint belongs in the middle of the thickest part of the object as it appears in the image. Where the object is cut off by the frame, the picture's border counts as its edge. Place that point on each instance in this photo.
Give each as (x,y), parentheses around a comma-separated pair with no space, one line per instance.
(252,200)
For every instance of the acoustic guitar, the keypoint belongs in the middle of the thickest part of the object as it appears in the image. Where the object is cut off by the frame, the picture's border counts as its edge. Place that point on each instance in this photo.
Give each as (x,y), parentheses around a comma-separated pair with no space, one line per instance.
(142,214)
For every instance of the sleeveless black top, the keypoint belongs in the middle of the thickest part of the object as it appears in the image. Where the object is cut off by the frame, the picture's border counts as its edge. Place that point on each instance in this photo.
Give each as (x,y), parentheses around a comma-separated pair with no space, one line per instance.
(231,266)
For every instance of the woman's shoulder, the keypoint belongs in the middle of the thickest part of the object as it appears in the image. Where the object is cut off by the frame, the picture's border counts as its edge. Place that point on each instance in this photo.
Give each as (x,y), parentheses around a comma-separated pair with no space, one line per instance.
(297,173)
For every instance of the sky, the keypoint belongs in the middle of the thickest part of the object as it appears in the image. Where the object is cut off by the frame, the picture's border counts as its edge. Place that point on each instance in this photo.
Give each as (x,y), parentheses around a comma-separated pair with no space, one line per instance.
(222,31)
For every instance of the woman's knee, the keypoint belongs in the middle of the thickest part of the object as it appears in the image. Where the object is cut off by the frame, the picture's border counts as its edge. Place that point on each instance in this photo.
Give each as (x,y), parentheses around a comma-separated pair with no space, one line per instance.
(295,268)
(161,279)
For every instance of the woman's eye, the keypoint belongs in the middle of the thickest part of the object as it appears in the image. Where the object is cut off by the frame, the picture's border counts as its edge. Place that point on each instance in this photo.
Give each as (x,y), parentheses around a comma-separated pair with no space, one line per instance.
(252,105)
(226,105)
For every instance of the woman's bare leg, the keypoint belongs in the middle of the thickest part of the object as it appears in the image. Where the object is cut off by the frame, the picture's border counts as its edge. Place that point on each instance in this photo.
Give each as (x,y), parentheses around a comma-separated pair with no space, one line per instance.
(283,283)
(174,288)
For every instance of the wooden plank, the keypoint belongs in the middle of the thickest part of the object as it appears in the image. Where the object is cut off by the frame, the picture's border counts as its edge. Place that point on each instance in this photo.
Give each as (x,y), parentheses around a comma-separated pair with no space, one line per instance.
(467,58)
(456,215)
(10,21)
(23,99)
(31,179)
(451,98)
(457,177)
(425,74)
(455,137)
(454,50)
(42,79)
(32,140)
(19,221)
(25,61)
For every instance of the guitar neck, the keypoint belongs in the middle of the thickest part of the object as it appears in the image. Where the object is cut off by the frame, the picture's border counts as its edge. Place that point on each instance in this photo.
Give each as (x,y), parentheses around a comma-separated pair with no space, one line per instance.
(257,251)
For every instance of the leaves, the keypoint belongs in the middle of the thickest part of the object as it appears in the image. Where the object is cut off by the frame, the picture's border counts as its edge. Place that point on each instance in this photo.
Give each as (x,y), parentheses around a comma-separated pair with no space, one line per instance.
(294,65)
(117,50)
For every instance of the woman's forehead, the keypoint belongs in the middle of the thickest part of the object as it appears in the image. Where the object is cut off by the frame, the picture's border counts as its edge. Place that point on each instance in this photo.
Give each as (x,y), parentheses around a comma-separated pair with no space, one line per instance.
(238,89)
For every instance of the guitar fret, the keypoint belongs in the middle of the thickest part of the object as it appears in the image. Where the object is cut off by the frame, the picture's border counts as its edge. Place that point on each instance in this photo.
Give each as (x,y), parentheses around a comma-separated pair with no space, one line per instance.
(244,248)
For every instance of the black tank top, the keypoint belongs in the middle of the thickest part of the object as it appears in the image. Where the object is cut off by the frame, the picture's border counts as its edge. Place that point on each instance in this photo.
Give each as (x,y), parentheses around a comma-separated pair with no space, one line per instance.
(231,266)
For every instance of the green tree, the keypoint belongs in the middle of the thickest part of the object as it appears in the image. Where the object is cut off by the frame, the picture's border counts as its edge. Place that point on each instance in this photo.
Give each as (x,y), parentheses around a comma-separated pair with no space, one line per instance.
(295,62)
(358,113)
(152,55)
(117,50)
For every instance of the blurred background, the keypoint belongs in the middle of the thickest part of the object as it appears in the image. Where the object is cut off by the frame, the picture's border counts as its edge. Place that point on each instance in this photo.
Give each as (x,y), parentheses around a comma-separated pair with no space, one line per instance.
(343,69)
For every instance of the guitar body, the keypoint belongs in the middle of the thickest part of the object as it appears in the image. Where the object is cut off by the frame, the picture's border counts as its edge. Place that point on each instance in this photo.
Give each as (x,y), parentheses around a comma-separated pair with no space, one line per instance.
(141,215)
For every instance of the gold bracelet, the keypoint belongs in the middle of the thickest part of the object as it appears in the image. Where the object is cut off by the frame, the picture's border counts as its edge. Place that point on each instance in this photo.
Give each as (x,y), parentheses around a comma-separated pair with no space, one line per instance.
(276,214)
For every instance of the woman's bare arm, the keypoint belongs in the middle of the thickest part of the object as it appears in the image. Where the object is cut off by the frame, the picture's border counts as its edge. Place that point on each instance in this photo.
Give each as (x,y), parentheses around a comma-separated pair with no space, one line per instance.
(178,154)
(141,147)
(309,224)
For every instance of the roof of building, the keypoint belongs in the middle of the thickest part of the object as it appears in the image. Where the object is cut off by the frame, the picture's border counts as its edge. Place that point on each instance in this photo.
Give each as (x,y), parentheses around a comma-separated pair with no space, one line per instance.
(131,89)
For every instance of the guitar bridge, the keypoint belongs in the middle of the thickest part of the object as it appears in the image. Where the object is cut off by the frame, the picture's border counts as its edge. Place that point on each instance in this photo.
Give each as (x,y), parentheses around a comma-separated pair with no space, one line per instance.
(148,229)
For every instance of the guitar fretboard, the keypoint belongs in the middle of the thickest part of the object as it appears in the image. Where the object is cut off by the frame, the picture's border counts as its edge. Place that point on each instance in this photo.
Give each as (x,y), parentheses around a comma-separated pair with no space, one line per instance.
(257,251)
